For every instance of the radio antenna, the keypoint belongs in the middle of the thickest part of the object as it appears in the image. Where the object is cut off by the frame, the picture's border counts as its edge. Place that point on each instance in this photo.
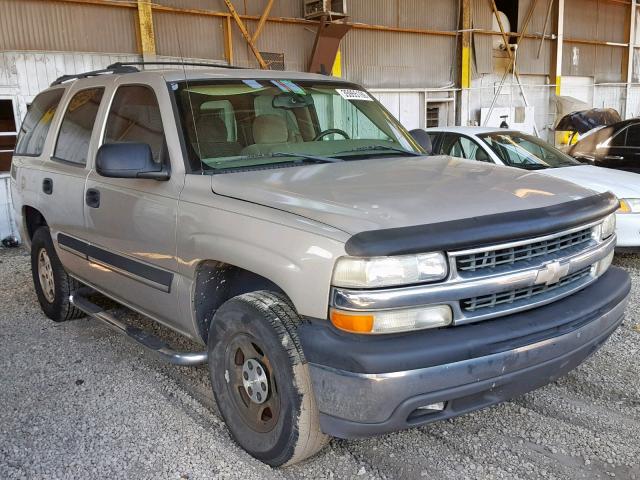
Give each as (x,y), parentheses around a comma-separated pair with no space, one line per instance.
(193,118)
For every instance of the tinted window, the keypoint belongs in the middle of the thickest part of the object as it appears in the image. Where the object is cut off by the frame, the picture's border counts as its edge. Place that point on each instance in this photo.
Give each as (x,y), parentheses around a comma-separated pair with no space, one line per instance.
(135,117)
(633,136)
(77,125)
(35,127)
(619,140)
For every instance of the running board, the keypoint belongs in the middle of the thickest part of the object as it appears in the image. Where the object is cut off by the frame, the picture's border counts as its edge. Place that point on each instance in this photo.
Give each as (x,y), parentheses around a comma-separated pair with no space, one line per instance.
(134,333)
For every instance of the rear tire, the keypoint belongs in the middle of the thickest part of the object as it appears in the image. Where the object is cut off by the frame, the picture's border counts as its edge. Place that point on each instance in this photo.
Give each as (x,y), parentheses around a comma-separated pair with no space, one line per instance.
(52,283)
(253,343)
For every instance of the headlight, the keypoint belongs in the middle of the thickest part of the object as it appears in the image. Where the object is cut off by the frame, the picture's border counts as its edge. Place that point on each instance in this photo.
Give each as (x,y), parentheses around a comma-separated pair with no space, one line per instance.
(392,321)
(608,226)
(355,272)
(629,205)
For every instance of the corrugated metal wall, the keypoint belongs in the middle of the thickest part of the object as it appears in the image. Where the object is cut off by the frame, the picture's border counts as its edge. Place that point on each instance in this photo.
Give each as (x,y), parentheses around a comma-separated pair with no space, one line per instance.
(481,18)
(595,20)
(53,26)
(189,36)
(394,60)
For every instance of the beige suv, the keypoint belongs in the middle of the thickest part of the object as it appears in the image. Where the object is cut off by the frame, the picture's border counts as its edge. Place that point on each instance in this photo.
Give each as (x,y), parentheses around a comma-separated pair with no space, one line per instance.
(340,281)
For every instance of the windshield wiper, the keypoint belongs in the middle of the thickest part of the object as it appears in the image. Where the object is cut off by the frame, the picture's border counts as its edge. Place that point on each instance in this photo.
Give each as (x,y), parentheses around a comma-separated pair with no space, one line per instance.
(313,158)
(371,148)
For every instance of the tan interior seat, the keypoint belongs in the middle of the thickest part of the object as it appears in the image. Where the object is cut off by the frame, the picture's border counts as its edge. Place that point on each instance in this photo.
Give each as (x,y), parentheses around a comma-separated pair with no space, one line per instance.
(269,133)
(212,138)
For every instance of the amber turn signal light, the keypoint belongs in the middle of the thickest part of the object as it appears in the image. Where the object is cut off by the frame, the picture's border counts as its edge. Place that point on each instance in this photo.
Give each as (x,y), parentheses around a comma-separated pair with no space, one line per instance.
(352,323)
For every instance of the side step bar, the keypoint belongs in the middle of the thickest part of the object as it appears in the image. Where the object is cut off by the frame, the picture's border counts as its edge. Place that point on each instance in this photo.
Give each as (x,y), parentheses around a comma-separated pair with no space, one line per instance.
(140,336)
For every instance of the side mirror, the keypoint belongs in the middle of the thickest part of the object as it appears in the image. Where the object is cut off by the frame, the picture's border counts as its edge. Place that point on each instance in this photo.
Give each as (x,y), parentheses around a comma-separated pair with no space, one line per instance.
(423,139)
(128,160)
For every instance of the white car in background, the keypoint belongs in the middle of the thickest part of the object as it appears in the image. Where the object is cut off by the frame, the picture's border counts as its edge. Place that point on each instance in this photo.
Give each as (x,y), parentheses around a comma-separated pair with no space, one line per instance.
(517,149)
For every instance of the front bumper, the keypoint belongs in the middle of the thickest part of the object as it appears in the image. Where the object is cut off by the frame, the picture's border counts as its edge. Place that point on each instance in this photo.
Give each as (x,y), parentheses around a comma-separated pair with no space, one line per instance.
(361,388)
(628,231)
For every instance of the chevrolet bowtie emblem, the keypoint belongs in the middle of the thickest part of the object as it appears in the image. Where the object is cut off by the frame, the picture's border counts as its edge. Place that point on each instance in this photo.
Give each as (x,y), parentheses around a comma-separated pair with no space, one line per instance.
(552,273)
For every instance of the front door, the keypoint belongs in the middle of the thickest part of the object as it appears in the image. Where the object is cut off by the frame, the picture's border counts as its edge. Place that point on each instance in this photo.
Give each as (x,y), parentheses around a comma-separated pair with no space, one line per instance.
(622,152)
(131,223)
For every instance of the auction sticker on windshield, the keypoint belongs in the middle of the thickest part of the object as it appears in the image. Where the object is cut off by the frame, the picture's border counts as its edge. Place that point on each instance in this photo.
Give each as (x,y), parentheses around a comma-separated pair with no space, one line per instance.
(350,94)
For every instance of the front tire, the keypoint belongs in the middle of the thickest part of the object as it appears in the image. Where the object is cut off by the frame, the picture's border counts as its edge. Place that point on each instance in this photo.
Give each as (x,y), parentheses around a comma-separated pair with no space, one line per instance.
(260,379)
(52,283)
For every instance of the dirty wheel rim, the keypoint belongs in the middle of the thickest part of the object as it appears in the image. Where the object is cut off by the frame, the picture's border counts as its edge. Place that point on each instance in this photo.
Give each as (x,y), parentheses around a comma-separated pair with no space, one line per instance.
(45,273)
(250,379)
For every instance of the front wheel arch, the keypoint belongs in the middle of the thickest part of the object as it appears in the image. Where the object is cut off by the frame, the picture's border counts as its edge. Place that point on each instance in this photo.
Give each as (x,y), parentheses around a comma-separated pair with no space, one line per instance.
(215,283)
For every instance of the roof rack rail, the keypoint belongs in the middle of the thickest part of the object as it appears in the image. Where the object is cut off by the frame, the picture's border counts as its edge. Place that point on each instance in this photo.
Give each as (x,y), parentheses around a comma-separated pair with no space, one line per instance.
(189,64)
(115,68)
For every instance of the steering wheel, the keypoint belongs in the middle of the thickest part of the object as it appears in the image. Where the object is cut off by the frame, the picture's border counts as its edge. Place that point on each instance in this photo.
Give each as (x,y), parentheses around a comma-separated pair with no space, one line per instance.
(331,131)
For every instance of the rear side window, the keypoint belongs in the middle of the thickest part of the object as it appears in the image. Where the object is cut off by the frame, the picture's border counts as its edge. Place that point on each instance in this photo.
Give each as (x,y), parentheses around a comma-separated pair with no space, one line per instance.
(135,117)
(77,125)
(36,124)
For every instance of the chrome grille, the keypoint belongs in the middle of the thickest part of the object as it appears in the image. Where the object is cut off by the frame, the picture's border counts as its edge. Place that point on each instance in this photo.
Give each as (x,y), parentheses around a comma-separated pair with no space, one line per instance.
(509,256)
(512,296)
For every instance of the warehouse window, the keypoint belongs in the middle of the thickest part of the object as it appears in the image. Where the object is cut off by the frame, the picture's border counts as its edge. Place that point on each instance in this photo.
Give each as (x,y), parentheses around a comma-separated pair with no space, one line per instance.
(36,124)
(135,117)
(7,134)
(77,126)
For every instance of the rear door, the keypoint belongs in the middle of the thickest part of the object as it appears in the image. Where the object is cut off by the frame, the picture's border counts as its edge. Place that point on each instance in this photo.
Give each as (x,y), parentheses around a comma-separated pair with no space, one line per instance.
(131,223)
(65,171)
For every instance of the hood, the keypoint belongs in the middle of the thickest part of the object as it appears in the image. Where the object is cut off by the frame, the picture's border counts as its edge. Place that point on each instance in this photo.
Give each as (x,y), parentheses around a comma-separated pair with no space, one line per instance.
(586,120)
(622,184)
(356,196)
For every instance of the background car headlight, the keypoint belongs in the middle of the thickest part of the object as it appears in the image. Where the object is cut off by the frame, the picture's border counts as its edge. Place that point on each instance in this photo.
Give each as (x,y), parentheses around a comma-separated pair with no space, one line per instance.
(629,205)
(608,226)
(392,321)
(355,272)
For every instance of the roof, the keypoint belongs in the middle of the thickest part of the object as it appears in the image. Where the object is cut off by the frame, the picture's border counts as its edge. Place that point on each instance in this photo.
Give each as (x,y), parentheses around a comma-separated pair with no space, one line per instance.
(467,130)
(177,73)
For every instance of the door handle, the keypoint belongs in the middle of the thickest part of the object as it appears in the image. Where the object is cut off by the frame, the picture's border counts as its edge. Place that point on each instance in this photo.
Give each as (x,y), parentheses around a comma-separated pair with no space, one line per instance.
(92,198)
(613,157)
(47,186)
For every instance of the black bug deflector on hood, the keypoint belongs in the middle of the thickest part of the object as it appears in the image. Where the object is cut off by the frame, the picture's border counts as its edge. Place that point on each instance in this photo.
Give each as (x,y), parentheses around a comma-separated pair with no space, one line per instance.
(484,230)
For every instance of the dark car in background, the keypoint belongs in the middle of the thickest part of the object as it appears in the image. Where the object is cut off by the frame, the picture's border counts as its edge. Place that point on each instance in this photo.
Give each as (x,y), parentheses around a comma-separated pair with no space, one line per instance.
(615,146)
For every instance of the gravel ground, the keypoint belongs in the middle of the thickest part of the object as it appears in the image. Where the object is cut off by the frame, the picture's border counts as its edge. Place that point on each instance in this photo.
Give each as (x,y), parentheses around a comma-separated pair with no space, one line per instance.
(78,401)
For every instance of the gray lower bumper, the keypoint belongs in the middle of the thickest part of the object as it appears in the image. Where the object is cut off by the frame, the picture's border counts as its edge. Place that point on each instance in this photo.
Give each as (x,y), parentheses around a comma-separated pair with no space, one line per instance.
(356,404)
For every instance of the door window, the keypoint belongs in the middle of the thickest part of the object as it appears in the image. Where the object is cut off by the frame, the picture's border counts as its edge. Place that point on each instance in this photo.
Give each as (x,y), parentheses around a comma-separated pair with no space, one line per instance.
(135,117)
(633,136)
(619,140)
(463,147)
(36,124)
(7,134)
(77,126)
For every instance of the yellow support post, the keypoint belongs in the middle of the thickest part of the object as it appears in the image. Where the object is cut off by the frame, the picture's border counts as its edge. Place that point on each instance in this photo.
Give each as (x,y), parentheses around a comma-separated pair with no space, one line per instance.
(465,63)
(147,35)
(262,21)
(228,41)
(245,34)
(336,71)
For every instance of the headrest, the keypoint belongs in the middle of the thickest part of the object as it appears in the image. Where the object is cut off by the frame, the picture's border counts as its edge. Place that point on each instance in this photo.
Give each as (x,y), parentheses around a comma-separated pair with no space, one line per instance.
(270,129)
(211,128)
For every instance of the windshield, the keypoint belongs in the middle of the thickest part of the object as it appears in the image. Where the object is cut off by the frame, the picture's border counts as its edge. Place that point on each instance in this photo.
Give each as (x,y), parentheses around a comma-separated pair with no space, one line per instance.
(525,151)
(245,124)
